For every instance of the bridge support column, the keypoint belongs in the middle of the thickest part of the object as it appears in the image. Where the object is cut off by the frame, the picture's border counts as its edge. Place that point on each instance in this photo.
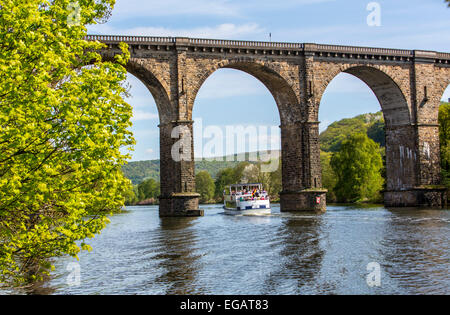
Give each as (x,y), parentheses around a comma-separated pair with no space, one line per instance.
(425,189)
(413,167)
(302,177)
(178,197)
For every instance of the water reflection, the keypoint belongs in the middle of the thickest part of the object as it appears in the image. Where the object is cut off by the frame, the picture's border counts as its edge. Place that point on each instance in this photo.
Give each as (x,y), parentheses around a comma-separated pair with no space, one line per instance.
(177,256)
(416,250)
(300,255)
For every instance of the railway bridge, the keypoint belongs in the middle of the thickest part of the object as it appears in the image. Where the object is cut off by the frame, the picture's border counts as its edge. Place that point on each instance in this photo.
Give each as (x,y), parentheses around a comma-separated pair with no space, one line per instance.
(408,84)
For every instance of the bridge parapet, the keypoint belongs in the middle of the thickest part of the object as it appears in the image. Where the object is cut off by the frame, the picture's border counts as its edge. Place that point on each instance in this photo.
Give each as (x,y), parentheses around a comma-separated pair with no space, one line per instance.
(245,44)
(443,55)
(115,39)
(293,49)
(358,50)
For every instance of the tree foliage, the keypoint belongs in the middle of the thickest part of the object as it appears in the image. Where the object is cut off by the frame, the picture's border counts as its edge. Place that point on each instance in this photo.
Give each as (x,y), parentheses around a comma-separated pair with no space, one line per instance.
(62,124)
(328,176)
(224,178)
(371,124)
(205,186)
(358,165)
(148,189)
(444,136)
(138,171)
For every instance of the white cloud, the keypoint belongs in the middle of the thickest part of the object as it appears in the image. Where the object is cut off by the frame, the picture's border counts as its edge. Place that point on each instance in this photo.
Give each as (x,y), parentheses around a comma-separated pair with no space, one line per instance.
(347,83)
(228,83)
(141,101)
(139,115)
(324,125)
(149,151)
(152,8)
(431,36)
(446,95)
(276,5)
(146,133)
(227,30)
(221,8)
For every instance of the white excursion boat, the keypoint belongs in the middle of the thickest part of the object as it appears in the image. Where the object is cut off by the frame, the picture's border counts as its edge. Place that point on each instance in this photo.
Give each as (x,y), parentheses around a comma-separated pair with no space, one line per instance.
(246,199)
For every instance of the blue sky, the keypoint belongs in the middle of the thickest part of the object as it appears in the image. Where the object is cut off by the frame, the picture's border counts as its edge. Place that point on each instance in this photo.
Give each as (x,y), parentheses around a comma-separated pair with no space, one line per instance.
(408,24)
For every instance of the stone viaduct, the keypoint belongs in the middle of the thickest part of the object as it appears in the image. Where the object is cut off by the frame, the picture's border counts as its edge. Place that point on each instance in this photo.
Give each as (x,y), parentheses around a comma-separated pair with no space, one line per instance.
(408,84)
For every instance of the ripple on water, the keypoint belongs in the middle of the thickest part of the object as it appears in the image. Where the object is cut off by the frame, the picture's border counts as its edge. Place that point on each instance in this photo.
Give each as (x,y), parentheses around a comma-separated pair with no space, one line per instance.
(284,253)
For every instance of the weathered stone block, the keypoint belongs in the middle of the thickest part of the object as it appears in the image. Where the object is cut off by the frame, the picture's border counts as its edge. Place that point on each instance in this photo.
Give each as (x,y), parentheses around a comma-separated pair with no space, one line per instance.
(306,200)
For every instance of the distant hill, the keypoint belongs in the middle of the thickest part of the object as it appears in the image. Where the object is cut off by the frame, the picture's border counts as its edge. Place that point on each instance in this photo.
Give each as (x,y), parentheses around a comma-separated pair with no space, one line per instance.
(371,124)
(139,171)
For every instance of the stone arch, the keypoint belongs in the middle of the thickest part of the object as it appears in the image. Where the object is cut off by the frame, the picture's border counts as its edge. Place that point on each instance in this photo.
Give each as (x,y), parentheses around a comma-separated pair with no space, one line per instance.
(156,88)
(389,93)
(281,88)
(401,155)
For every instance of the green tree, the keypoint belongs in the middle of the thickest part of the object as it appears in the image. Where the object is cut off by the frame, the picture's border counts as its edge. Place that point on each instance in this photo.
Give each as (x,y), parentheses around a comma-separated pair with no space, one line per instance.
(148,189)
(328,176)
(358,166)
(131,196)
(444,137)
(205,186)
(331,139)
(224,178)
(372,124)
(239,172)
(276,183)
(62,124)
(376,132)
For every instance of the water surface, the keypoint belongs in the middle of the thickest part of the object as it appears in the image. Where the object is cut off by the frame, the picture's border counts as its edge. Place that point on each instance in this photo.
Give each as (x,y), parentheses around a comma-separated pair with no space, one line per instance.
(285,253)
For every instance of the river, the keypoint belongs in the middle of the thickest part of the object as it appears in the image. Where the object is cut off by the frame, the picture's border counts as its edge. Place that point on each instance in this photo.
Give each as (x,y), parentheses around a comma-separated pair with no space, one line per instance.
(285,253)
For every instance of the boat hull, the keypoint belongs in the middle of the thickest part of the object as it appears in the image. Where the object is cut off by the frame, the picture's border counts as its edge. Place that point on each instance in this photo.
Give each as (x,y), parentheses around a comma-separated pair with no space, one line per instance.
(230,211)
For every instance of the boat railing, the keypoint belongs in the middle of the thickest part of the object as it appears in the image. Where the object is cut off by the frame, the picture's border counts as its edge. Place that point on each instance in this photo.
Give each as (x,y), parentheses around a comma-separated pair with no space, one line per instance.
(250,198)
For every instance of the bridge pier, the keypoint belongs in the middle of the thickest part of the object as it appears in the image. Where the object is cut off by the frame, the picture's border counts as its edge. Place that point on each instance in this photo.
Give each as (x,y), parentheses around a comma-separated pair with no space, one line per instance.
(180,205)
(413,165)
(178,197)
(429,197)
(301,168)
(304,200)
